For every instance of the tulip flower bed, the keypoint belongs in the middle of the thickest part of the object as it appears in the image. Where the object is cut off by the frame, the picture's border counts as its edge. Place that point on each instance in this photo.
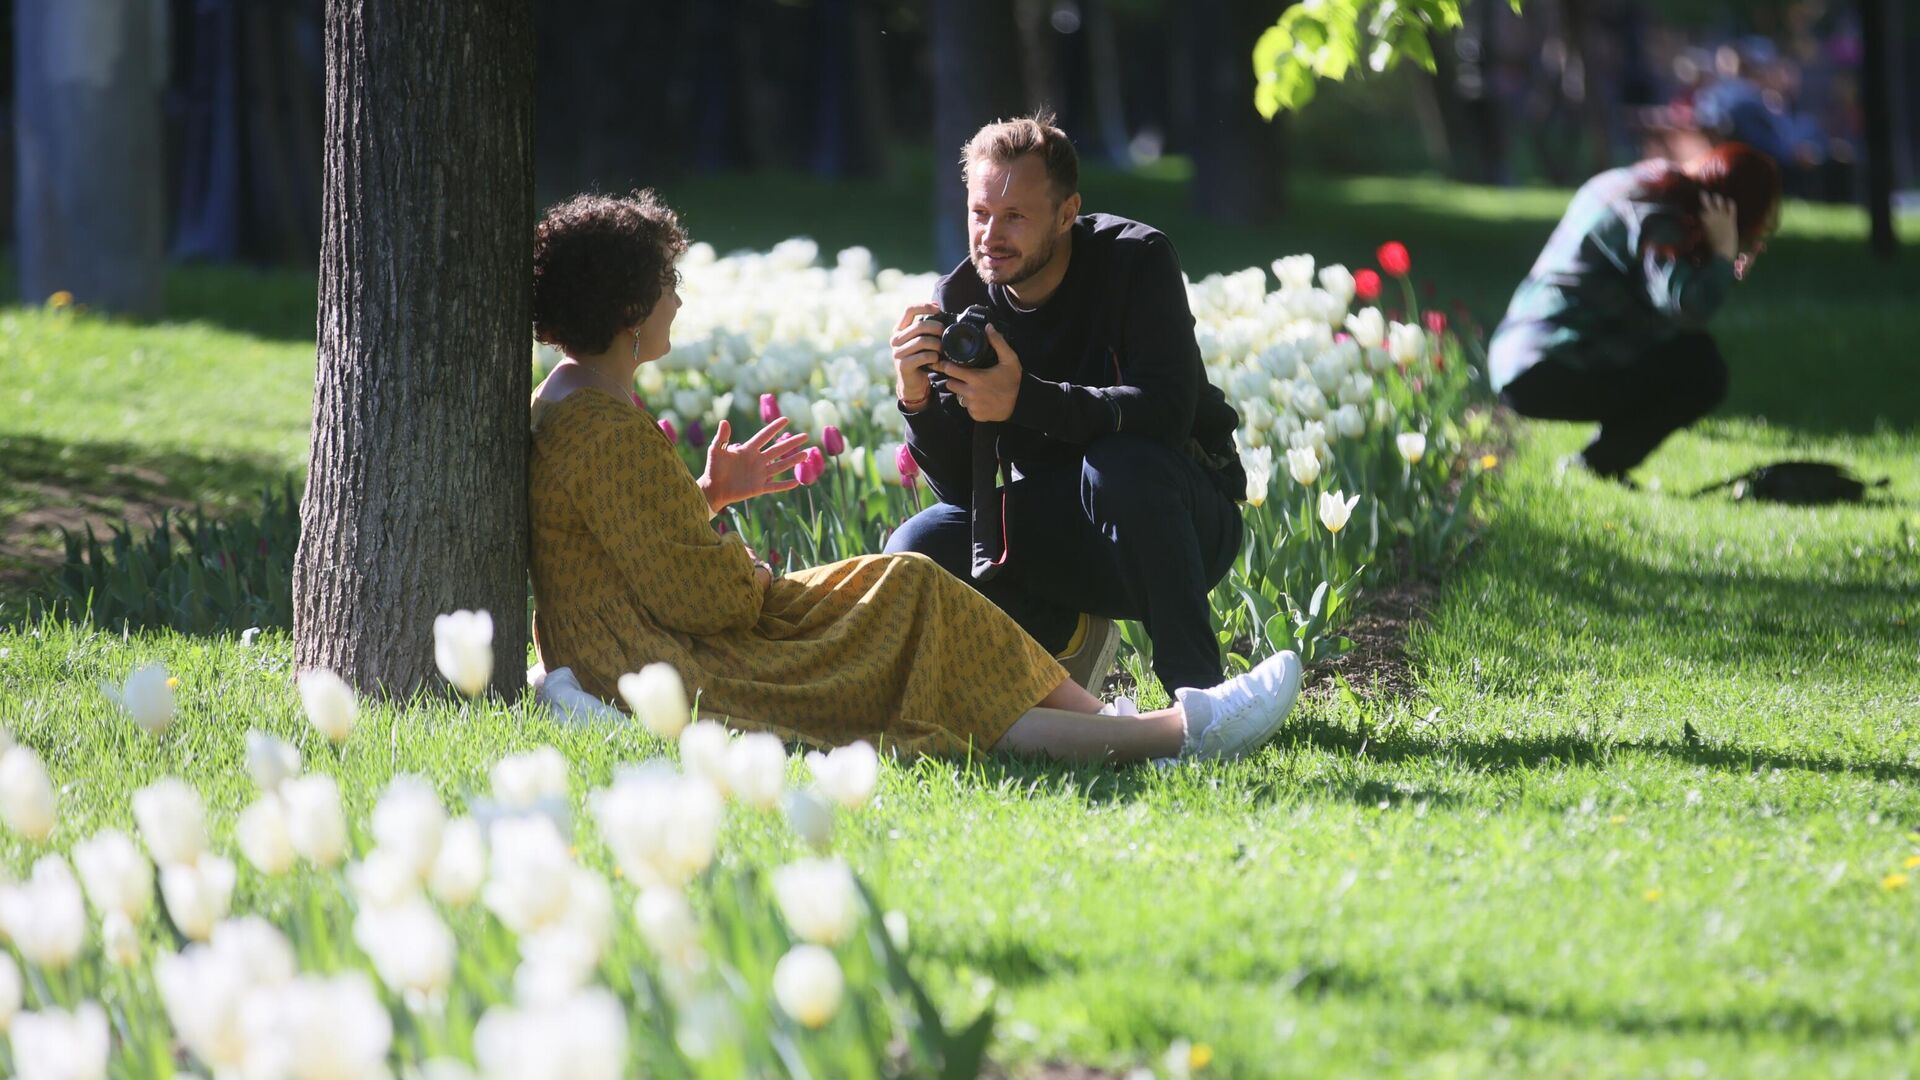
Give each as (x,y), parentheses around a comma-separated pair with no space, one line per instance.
(1353,430)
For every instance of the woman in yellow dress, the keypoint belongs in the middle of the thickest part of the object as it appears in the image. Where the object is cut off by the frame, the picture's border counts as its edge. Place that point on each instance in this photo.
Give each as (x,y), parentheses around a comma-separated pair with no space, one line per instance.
(628,570)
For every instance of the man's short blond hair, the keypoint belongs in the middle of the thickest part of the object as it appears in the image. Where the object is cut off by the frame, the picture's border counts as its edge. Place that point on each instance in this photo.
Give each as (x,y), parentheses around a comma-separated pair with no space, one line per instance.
(1007,140)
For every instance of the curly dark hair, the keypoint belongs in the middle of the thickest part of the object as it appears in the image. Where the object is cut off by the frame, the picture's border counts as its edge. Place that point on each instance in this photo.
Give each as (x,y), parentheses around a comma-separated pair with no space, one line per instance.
(600,264)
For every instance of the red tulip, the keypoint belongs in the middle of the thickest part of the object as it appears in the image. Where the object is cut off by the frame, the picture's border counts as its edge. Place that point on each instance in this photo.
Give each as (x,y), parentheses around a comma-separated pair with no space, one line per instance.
(909,468)
(1366,284)
(666,428)
(1394,258)
(1437,322)
(832,441)
(813,465)
(769,409)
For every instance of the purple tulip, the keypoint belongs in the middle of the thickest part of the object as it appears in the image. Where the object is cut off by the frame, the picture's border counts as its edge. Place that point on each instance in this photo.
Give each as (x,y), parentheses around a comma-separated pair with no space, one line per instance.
(832,441)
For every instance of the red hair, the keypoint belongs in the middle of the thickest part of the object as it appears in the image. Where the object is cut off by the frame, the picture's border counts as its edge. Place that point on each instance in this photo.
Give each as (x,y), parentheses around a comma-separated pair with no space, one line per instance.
(1734,170)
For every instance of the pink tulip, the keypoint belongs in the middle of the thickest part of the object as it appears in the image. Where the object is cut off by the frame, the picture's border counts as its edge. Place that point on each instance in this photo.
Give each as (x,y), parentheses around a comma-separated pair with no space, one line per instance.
(666,428)
(813,465)
(832,441)
(909,468)
(769,409)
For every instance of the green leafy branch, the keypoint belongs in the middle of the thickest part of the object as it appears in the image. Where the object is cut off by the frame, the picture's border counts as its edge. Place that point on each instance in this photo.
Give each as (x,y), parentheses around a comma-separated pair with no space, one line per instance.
(1324,39)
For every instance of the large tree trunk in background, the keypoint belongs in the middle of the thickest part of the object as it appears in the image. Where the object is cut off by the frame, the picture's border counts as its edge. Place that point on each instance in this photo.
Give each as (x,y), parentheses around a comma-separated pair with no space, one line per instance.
(1876,103)
(1239,160)
(976,80)
(416,491)
(89,203)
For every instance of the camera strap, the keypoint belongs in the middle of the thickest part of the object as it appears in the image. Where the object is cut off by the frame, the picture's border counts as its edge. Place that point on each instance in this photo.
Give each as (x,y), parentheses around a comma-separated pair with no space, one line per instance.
(988,519)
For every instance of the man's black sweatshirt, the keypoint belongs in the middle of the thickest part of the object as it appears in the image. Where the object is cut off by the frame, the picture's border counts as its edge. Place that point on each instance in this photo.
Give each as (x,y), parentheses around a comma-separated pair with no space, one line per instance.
(1112,350)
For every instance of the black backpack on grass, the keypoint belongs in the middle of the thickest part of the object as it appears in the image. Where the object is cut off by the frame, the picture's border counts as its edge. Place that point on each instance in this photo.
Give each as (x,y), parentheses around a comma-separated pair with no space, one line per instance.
(1797,483)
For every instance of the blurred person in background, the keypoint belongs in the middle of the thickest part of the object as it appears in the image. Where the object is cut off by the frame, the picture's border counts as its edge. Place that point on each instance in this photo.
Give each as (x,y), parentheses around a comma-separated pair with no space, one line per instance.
(1610,324)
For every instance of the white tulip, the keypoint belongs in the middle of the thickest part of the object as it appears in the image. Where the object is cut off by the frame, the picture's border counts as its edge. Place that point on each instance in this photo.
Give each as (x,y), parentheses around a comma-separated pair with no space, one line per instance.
(119,941)
(798,409)
(652,380)
(317,1028)
(811,818)
(264,837)
(757,770)
(172,820)
(45,916)
(523,781)
(819,900)
(825,415)
(692,402)
(315,823)
(1379,360)
(461,866)
(271,760)
(148,695)
(896,925)
(410,946)
(808,984)
(1368,327)
(463,650)
(1308,401)
(384,879)
(1337,280)
(580,1038)
(704,751)
(1383,414)
(1294,272)
(668,927)
(1348,421)
(559,958)
(1259,468)
(330,704)
(54,1044)
(1412,444)
(662,827)
(1356,388)
(408,822)
(846,775)
(198,894)
(10,991)
(657,696)
(1304,464)
(530,869)
(204,987)
(118,877)
(26,794)
(1335,508)
(1406,343)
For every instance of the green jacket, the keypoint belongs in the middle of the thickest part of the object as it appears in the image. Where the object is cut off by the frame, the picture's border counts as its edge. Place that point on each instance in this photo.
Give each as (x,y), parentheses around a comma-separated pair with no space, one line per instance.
(1600,296)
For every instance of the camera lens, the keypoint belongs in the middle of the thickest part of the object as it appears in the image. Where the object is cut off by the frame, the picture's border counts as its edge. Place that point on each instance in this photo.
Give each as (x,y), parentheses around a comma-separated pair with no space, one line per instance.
(962,343)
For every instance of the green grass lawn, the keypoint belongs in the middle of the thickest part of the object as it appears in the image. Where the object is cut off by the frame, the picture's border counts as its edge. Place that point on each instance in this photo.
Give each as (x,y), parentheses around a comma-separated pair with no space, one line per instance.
(1643,812)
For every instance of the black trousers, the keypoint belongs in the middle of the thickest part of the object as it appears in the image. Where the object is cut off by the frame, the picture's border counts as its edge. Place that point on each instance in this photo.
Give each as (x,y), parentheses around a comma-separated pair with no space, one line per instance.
(1637,406)
(1136,532)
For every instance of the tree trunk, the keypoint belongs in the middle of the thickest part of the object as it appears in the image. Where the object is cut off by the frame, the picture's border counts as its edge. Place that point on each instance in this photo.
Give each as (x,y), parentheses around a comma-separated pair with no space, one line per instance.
(416,489)
(976,80)
(1876,104)
(89,208)
(1239,160)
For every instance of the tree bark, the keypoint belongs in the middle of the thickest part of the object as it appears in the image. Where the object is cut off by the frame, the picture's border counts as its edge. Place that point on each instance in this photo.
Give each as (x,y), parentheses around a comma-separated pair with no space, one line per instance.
(976,80)
(89,202)
(1876,104)
(1239,160)
(416,490)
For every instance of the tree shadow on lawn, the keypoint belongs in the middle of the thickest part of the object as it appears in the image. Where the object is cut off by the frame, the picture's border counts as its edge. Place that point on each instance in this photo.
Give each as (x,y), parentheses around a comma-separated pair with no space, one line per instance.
(47,485)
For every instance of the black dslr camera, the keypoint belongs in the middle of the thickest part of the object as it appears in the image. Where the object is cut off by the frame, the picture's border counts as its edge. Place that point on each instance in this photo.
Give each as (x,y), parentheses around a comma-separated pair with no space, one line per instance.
(964,341)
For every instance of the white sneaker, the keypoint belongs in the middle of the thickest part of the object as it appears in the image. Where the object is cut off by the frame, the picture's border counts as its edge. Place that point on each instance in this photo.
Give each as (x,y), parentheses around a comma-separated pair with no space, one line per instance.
(1241,714)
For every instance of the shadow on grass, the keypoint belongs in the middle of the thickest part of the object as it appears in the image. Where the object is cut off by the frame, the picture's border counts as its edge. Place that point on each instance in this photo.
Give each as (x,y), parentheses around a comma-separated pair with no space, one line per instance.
(47,485)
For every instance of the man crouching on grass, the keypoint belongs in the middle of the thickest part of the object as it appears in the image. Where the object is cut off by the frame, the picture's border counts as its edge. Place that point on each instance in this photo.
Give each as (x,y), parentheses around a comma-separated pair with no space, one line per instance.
(1123,471)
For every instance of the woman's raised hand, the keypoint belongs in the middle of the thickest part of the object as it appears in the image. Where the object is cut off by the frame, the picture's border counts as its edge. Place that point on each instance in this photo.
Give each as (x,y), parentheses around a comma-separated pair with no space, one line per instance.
(1722,224)
(738,471)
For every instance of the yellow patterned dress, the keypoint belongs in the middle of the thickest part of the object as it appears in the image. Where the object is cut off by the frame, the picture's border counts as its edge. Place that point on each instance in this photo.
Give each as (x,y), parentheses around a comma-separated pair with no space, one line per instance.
(627,571)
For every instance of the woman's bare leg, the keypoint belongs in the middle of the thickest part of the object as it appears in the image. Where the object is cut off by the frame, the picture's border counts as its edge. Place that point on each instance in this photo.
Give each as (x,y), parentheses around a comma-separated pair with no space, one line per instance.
(1064,726)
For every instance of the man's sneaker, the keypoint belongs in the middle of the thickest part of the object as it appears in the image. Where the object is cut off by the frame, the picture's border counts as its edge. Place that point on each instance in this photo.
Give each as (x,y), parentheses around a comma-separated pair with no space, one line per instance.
(1240,715)
(1089,655)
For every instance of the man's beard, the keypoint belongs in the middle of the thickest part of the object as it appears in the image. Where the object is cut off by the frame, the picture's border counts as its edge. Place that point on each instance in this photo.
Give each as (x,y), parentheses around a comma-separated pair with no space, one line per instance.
(1028,267)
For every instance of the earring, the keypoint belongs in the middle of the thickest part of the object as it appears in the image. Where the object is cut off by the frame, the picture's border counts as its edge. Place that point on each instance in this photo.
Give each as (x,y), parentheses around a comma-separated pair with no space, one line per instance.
(636,345)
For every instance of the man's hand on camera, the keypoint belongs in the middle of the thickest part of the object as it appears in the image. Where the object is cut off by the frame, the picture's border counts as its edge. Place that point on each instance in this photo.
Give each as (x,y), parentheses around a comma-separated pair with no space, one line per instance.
(1720,220)
(987,394)
(916,347)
